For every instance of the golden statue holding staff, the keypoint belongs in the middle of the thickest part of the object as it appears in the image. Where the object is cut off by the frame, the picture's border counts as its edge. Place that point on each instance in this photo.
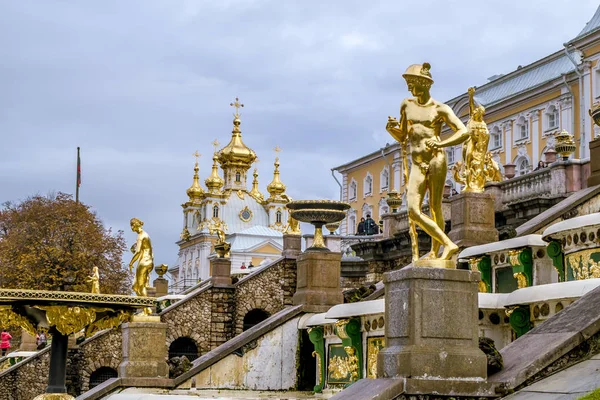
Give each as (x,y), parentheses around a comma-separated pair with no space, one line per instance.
(95,280)
(142,253)
(421,120)
(477,167)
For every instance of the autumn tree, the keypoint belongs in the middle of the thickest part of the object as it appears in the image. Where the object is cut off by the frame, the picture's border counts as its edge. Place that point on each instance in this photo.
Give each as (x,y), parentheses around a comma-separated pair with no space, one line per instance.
(52,243)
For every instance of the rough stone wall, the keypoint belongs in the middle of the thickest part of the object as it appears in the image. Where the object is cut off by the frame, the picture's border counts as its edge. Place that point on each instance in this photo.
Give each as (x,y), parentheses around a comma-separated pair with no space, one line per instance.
(105,350)
(191,319)
(270,290)
(26,381)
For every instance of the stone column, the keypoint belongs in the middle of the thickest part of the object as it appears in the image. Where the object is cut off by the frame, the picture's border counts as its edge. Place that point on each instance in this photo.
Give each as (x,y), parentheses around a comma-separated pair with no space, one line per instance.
(292,245)
(431,331)
(594,178)
(144,348)
(318,280)
(221,271)
(473,219)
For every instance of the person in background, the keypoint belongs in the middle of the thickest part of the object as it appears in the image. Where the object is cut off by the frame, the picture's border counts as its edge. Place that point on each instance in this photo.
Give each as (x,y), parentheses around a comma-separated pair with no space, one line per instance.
(361,227)
(41,340)
(5,341)
(540,165)
(370,226)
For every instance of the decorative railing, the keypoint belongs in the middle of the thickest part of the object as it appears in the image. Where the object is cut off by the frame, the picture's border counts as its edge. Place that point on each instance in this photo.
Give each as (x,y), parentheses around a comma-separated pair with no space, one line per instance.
(182,285)
(535,184)
(347,241)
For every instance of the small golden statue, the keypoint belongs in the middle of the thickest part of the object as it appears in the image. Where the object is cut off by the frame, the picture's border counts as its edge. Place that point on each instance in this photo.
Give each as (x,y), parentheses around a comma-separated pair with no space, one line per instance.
(473,171)
(293,226)
(95,280)
(142,253)
(221,246)
(421,120)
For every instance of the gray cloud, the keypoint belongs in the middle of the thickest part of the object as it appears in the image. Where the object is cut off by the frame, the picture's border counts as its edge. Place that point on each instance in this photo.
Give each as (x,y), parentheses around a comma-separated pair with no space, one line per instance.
(140,85)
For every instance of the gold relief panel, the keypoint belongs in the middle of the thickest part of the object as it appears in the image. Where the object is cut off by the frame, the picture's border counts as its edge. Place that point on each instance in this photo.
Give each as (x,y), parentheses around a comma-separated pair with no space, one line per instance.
(341,368)
(374,344)
(584,264)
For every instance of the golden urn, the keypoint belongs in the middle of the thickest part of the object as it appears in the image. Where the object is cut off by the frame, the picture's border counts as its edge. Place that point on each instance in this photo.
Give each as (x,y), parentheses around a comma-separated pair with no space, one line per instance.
(394,200)
(318,213)
(565,145)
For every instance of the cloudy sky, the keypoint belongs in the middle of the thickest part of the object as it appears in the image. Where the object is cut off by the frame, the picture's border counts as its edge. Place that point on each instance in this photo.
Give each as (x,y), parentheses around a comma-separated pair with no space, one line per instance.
(140,85)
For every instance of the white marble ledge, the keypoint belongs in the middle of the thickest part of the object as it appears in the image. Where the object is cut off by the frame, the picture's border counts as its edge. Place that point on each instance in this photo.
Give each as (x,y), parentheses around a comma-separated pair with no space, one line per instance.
(493,301)
(315,320)
(514,243)
(551,291)
(573,223)
(171,297)
(356,309)
(21,354)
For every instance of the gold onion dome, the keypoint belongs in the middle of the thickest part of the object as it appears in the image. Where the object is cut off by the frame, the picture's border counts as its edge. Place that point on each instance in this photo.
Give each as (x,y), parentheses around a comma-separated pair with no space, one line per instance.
(214,182)
(276,188)
(236,153)
(195,192)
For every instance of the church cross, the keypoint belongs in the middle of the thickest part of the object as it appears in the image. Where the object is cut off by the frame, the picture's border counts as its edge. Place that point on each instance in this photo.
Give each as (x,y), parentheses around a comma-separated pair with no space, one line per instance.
(216,144)
(237,106)
(197,155)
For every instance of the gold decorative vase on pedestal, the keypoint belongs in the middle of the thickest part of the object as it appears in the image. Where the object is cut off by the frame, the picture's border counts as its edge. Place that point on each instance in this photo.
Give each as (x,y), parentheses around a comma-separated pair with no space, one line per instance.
(565,145)
(318,213)
(332,227)
(394,200)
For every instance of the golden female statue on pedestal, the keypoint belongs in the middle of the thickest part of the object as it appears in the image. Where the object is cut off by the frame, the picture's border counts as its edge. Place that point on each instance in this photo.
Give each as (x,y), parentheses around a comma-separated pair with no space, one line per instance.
(421,120)
(95,280)
(142,253)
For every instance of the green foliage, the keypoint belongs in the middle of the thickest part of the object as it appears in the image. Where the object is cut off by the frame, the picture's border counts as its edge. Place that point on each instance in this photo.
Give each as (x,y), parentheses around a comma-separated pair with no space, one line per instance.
(52,243)
(595,395)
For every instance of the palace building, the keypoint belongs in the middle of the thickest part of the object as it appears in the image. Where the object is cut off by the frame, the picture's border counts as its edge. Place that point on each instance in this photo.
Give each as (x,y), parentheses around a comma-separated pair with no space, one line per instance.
(253,224)
(525,109)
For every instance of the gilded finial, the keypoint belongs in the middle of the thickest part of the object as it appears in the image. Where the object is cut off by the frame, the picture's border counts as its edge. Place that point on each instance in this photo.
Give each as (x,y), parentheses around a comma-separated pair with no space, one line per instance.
(237,106)
(255,192)
(276,188)
(195,192)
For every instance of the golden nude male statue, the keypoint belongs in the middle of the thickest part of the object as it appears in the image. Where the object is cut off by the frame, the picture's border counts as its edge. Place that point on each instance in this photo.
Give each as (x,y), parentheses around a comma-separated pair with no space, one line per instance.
(421,120)
(142,253)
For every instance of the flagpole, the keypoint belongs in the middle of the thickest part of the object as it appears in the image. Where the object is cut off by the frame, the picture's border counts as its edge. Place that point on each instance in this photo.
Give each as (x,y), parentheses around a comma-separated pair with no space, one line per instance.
(78,181)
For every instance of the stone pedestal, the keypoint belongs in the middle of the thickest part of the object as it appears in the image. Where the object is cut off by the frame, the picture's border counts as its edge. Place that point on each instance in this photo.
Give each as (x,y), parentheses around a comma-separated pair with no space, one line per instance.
(318,280)
(27,342)
(292,245)
(473,219)
(144,348)
(431,326)
(221,271)
(162,286)
(594,178)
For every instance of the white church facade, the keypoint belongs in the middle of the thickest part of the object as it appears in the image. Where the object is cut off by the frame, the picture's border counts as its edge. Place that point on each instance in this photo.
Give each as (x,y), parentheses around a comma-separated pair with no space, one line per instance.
(253,224)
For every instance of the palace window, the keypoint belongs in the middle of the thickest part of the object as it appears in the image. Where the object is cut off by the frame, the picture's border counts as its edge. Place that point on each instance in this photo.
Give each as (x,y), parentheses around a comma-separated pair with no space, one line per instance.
(352,225)
(496,141)
(384,179)
(368,185)
(450,155)
(523,166)
(353,190)
(552,118)
(238,177)
(278,217)
(522,129)
(215,211)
